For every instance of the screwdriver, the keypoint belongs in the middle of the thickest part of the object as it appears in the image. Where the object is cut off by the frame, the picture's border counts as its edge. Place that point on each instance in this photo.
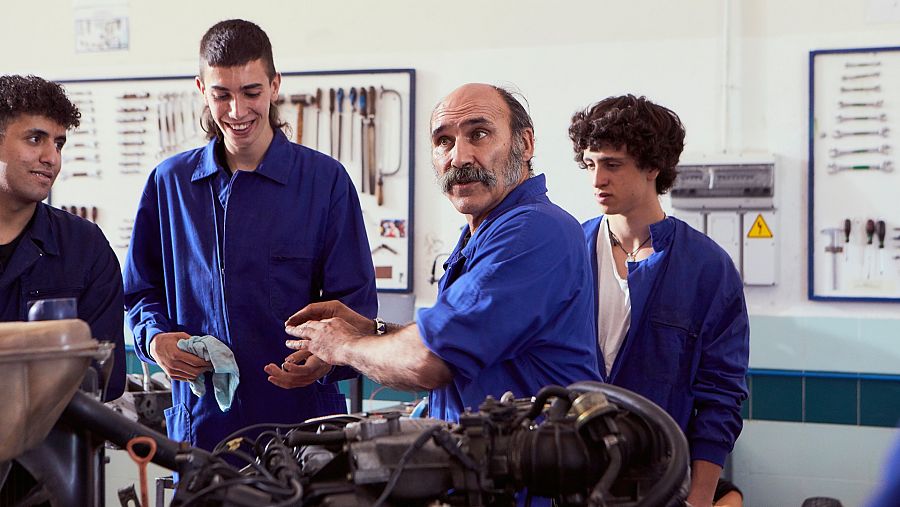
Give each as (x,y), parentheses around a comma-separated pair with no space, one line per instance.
(847,227)
(870,233)
(340,107)
(352,116)
(331,121)
(881,231)
(318,114)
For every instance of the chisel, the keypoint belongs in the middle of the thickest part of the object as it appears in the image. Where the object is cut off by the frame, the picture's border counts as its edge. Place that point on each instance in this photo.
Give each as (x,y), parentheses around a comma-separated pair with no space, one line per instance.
(362,139)
(318,114)
(340,131)
(331,121)
(352,118)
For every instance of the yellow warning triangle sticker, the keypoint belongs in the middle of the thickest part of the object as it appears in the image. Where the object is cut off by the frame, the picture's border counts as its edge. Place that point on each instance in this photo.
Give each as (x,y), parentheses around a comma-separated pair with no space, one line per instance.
(759,229)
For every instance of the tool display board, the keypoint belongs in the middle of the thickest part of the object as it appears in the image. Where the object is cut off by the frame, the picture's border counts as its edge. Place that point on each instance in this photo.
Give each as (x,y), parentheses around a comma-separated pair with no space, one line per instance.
(363,118)
(854,178)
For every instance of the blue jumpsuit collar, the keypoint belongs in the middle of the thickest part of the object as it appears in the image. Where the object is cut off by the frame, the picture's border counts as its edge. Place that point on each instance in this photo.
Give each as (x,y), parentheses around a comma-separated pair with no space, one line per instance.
(37,241)
(534,186)
(272,166)
(42,232)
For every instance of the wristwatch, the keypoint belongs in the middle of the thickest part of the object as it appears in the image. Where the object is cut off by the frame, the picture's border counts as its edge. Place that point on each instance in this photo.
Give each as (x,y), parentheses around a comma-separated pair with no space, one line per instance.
(380,326)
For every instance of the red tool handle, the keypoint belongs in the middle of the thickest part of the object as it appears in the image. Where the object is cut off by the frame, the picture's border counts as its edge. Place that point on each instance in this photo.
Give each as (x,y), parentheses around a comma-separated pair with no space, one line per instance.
(142,462)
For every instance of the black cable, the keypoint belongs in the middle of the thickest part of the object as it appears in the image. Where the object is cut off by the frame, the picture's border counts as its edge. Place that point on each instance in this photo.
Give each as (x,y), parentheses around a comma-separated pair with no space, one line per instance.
(540,399)
(395,476)
(251,461)
(241,431)
(295,438)
(298,494)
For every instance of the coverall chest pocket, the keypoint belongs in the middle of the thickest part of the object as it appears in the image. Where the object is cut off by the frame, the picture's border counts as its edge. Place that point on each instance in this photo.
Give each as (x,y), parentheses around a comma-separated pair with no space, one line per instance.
(290,278)
(33,298)
(669,355)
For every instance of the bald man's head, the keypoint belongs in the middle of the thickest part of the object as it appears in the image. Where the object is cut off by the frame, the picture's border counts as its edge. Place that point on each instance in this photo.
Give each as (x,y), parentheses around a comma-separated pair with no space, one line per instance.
(519,119)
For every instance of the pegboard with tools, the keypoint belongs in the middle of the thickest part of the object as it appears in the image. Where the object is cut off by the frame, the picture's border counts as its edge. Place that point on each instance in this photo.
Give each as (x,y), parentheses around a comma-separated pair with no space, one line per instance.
(364,119)
(854,139)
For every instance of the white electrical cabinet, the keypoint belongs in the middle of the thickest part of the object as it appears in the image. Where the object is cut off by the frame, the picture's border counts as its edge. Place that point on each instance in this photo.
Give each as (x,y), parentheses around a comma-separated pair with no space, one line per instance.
(733,204)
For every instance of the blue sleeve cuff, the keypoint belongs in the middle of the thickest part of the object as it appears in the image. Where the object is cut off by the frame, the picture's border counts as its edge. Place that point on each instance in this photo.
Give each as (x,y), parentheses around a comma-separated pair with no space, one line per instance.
(142,343)
(707,450)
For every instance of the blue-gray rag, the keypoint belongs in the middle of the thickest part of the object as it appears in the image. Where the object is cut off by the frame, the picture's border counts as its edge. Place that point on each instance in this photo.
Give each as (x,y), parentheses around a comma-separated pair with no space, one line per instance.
(225,377)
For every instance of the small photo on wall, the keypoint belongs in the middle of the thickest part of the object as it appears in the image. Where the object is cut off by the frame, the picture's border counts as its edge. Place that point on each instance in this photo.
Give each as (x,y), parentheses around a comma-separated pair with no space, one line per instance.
(393,228)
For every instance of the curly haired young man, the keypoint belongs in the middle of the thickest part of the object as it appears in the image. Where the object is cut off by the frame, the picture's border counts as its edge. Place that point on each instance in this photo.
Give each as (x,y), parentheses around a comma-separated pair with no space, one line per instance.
(670,313)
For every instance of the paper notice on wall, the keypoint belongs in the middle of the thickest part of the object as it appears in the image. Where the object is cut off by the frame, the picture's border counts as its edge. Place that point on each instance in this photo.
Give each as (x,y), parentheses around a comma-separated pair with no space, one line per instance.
(100,25)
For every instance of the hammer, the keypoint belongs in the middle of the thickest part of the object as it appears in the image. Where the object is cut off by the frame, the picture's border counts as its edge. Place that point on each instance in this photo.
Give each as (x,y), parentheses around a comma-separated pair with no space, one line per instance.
(301,100)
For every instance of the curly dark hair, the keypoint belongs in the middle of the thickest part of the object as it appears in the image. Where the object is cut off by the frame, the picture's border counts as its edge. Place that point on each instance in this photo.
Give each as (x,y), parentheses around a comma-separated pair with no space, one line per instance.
(35,96)
(232,43)
(651,133)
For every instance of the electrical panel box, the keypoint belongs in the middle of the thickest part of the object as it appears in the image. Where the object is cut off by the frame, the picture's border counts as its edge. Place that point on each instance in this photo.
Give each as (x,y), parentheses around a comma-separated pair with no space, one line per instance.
(734,204)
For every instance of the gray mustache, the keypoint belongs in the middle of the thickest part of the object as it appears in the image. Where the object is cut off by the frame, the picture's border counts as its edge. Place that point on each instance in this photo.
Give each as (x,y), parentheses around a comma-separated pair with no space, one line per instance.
(469,173)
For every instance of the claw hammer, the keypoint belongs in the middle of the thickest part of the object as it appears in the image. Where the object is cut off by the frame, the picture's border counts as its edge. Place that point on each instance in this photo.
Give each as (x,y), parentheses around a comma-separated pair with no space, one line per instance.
(301,100)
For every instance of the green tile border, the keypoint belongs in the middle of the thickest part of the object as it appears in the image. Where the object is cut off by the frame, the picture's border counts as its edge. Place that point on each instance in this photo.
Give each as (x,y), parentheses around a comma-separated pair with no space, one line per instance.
(831,400)
(879,403)
(777,398)
(864,399)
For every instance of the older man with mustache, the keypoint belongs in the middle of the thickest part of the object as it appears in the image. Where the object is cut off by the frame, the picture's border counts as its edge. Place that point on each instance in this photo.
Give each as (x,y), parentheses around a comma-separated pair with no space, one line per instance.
(497,326)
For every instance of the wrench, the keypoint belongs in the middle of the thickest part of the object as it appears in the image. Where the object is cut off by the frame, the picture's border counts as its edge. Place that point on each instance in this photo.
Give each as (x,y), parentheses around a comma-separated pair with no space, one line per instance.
(860,76)
(847,89)
(862,64)
(886,167)
(877,103)
(884,149)
(883,133)
(882,117)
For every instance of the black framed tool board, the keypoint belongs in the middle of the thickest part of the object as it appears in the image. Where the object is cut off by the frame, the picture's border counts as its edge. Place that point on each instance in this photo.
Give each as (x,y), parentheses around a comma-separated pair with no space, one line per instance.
(854,176)
(363,118)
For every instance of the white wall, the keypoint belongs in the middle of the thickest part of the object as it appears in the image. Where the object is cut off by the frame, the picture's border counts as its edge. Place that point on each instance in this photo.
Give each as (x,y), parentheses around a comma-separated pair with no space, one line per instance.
(562,56)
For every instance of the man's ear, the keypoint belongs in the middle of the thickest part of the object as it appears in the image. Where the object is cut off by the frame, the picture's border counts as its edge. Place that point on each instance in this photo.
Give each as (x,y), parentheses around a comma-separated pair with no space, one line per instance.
(200,86)
(528,142)
(276,85)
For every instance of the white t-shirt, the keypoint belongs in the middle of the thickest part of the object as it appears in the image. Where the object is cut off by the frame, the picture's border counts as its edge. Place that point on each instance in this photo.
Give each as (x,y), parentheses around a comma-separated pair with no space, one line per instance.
(614,303)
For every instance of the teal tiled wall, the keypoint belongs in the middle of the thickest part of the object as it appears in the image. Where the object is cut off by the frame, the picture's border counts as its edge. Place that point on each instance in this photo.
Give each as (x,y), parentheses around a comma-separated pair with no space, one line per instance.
(837,370)
(824,397)
(777,398)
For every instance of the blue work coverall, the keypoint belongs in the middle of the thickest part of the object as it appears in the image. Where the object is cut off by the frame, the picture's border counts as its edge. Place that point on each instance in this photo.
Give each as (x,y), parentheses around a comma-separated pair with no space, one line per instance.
(514,305)
(233,256)
(687,347)
(64,256)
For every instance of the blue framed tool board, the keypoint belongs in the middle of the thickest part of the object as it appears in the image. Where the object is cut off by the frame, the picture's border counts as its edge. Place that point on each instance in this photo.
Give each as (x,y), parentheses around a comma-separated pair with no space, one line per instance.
(363,118)
(854,175)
